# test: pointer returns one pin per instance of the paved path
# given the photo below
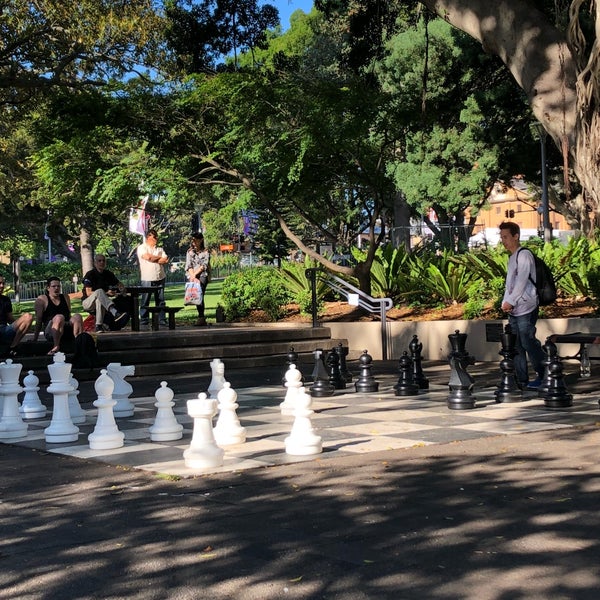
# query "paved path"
(498, 516)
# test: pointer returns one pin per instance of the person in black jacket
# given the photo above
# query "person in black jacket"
(99, 288)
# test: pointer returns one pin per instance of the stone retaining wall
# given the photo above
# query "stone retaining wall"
(434, 336)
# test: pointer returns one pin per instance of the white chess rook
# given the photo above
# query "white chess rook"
(217, 379)
(228, 431)
(166, 427)
(106, 434)
(302, 439)
(123, 405)
(12, 425)
(293, 382)
(203, 452)
(32, 407)
(77, 413)
(61, 427)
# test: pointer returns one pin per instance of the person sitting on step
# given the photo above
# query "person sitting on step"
(99, 286)
(53, 315)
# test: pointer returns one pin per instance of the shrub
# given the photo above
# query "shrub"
(292, 276)
(254, 288)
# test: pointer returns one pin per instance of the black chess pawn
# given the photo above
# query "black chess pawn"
(342, 352)
(366, 382)
(335, 376)
(292, 358)
(557, 395)
(406, 385)
(416, 349)
(508, 388)
(461, 383)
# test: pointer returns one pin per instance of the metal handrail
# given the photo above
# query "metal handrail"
(354, 297)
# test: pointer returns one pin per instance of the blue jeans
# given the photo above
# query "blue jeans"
(159, 298)
(527, 345)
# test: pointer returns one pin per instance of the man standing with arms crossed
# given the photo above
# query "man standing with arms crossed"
(152, 274)
(520, 301)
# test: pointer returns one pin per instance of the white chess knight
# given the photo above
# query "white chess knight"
(302, 439)
(61, 428)
(123, 405)
(293, 382)
(106, 434)
(166, 427)
(228, 430)
(32, 407)
(203, 452)
(12, 425)
(218, 377)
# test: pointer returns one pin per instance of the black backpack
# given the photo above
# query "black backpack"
(544, 280)
(86, 354)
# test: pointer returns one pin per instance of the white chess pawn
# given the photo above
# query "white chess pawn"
(77, 413)
(293, 382)
(166, 427)
(228, 430)
(12, 425)
(106, 434)
(203, 452)
(302, 439)
(218, 377)
(123, 405)
(32, 407)
(61, 427)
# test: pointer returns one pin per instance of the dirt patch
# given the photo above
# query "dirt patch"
(343, 312)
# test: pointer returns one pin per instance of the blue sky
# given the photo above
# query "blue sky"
(287, 7)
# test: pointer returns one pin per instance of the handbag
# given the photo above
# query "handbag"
(193, 293)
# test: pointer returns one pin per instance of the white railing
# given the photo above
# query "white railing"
(354, 297)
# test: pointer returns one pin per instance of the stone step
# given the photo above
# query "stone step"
(190, 350)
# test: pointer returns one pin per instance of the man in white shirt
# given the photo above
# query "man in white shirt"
(152, 274)
(520, 301)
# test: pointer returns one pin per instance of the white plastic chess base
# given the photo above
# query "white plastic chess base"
(348, 423)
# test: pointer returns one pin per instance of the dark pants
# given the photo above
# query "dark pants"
(159, 298)
(527, 345)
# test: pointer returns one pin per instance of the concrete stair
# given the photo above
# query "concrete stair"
(190, 349)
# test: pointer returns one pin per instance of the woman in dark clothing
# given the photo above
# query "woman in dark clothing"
(197, 267)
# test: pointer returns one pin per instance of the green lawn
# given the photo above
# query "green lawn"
(173, 297)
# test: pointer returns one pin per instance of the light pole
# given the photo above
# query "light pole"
(545, 204)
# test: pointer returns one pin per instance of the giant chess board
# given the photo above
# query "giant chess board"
(349, 423)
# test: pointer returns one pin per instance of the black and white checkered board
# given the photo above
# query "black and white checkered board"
(348, 423)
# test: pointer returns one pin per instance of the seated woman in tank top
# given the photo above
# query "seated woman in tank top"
(53, 315)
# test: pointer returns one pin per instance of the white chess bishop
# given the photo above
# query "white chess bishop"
(106, 434)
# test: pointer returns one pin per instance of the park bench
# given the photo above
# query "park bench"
(155, 311)
(583, 339)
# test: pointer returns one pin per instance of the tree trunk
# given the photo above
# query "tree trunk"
(87, 258)
(16, 271)
(563, 97)
(401, 229)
